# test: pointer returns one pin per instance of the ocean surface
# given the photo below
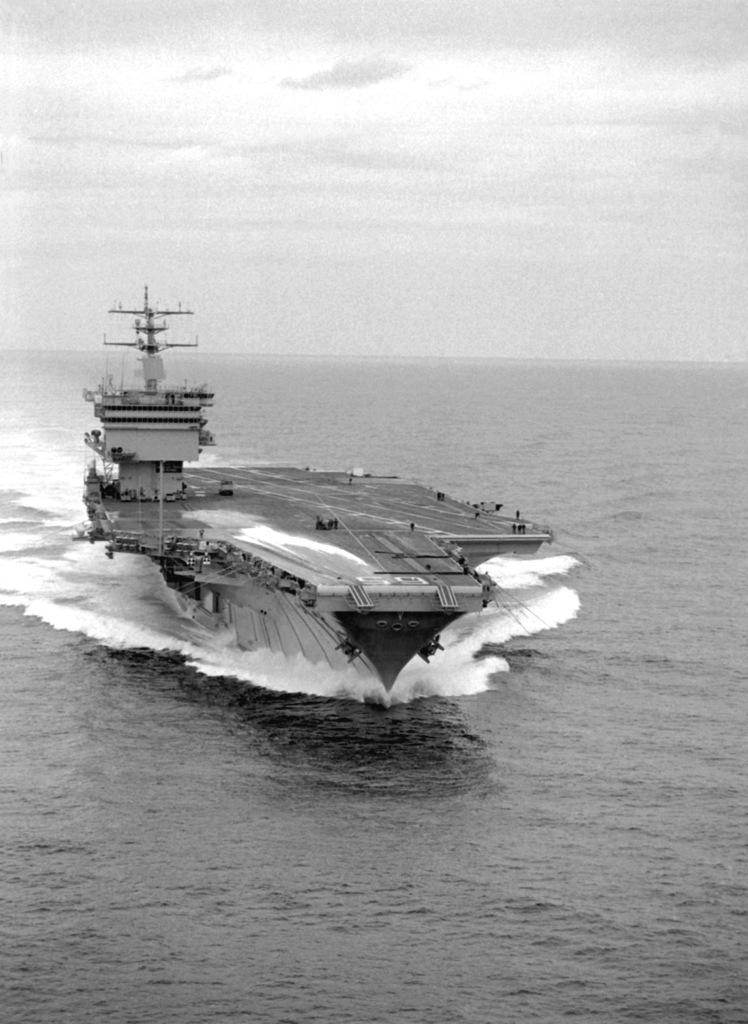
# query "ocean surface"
(548, 823)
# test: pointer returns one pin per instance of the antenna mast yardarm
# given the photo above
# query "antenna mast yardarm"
(148, 329)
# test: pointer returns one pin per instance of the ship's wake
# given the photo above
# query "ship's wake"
(124, 604)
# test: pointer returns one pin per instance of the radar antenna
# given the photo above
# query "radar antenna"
(148, 329)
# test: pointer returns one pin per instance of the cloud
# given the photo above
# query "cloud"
(350, 74)
(201, 75)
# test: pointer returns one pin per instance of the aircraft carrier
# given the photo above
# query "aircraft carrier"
(340, 568)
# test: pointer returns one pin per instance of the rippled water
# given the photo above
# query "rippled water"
(548, 823)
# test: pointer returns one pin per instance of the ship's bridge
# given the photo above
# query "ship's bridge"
(167, 423)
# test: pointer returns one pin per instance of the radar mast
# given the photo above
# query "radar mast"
(149, 326)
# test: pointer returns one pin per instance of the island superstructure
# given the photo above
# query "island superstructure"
(340, 568)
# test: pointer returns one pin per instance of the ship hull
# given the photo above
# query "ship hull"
(376, 645)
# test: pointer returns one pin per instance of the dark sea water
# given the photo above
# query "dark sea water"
(548, 823)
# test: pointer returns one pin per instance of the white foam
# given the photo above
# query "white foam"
(455, 671)
(545, 610)
(111, 630)
(283, 675)
(121, 603)
(515, 573)
(454, 675)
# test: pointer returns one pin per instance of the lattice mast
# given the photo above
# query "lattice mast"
(148, 340)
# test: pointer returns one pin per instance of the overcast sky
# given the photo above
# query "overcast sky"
(550, 178)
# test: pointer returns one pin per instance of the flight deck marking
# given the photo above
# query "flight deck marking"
(311, 502)
(296, 491)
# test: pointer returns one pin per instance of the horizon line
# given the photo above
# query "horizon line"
(378, 358)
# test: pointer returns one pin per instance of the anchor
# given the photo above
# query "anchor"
(429, 650)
